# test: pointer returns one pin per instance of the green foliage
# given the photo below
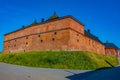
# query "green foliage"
(60, 59)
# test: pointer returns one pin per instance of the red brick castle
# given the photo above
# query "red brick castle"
(56, 33)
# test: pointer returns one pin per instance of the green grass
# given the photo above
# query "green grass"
(60, 59)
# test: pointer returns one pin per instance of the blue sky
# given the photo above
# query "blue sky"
(102, 17)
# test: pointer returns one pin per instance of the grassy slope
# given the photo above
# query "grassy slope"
(60, 59)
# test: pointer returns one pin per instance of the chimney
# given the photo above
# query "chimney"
(88, 30)
(42, 20)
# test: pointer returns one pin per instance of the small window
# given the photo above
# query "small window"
(93, 45)
(77, 34)
(89, 42)
(27, 37)
(109, 53)
(41, 41)
(53, 39)
(26, 43)
(15, 40)
(38, 35)
(55, 33)
(77, 40)
(15, 45)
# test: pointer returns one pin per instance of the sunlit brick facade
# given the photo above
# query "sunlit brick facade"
(111, 49)
(63, 33)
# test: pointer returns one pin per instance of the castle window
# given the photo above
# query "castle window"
(41, 41)
(77, 34)
(93, 43)
(55, 33)
(89, 42)
(26, 43)
(39, 35)
(109, 53)
(53, 39)
(15, 45)
(15, 40)
(77, 40)
(27, 37)
(8, 46)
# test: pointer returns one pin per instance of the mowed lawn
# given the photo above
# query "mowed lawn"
(60, 59)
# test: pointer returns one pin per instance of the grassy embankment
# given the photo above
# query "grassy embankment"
(60, 59)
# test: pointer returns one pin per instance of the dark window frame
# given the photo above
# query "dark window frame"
(26, 43)
(77, 34)
(26, 37)
(15, 45)
(55, 33)
(41, 41)
(39, 35)
(53, 39)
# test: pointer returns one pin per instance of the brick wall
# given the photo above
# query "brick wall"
(110, 51)
(56, 40)
(77, 26)
(50, 26)
(61, 34)
(80, 42)
(49, 36)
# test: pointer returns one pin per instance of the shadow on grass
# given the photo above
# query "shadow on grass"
(98, 73)
(109, 63)
(106, 67)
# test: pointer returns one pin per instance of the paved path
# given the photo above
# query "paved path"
(14, 72)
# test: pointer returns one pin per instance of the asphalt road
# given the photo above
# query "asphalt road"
(14, 72)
